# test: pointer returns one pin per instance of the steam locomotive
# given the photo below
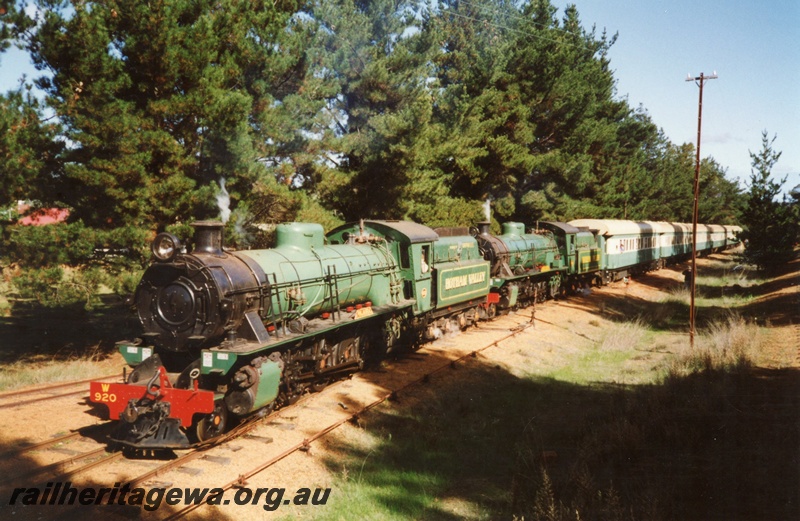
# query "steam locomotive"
(228, 333)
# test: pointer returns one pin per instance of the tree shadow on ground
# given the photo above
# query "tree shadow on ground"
(662, 316)
(26, 480)
(776, 299)
(484, 443)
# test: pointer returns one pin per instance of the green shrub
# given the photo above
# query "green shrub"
(124, 283)
(55, 287)
(53, 245)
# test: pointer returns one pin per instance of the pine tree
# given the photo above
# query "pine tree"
(478, 142)
(720, 199)
(161, 101)
(389, 109)
(28, 150)
(378, 131)
(794, 193)
(769, 228)
(561, 117)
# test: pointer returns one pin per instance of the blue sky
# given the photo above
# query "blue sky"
(754, 47)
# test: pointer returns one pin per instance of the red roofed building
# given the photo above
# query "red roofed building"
(42, 216)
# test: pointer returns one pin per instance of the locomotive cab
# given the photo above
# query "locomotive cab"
(410, 243)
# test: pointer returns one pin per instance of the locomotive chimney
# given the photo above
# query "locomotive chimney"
(208, 237)
(484, 227)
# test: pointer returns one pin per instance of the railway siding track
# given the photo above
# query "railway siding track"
(11, 453)
(18, 465)
(27, 396)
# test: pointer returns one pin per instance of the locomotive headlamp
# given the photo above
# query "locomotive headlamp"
(165, 246)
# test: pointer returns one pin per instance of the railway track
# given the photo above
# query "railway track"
(21, 397)
(58, 471)
(55, 440)
(100, 461)
(58, 467)
(305, 444)
(40, 445)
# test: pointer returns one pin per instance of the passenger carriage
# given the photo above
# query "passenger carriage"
(626, 246)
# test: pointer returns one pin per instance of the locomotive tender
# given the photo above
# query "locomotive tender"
(228, 333)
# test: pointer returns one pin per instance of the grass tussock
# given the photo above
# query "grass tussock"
(726, 345)
(676, 295)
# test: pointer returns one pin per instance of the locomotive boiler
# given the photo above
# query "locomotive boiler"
(190, 301)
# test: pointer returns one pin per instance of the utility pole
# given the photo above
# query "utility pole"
(699, 80)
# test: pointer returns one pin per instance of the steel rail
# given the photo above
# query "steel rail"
(32, 390)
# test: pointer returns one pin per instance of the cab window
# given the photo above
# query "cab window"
(404, 258)
(424, 260)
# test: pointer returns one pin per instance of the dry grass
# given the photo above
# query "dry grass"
(26, 374)
(625, 336)
(726, 345)
(726, 273)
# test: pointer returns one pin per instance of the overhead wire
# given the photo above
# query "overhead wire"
(519, 18)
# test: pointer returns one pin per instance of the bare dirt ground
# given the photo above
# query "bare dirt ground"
(557, 332)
